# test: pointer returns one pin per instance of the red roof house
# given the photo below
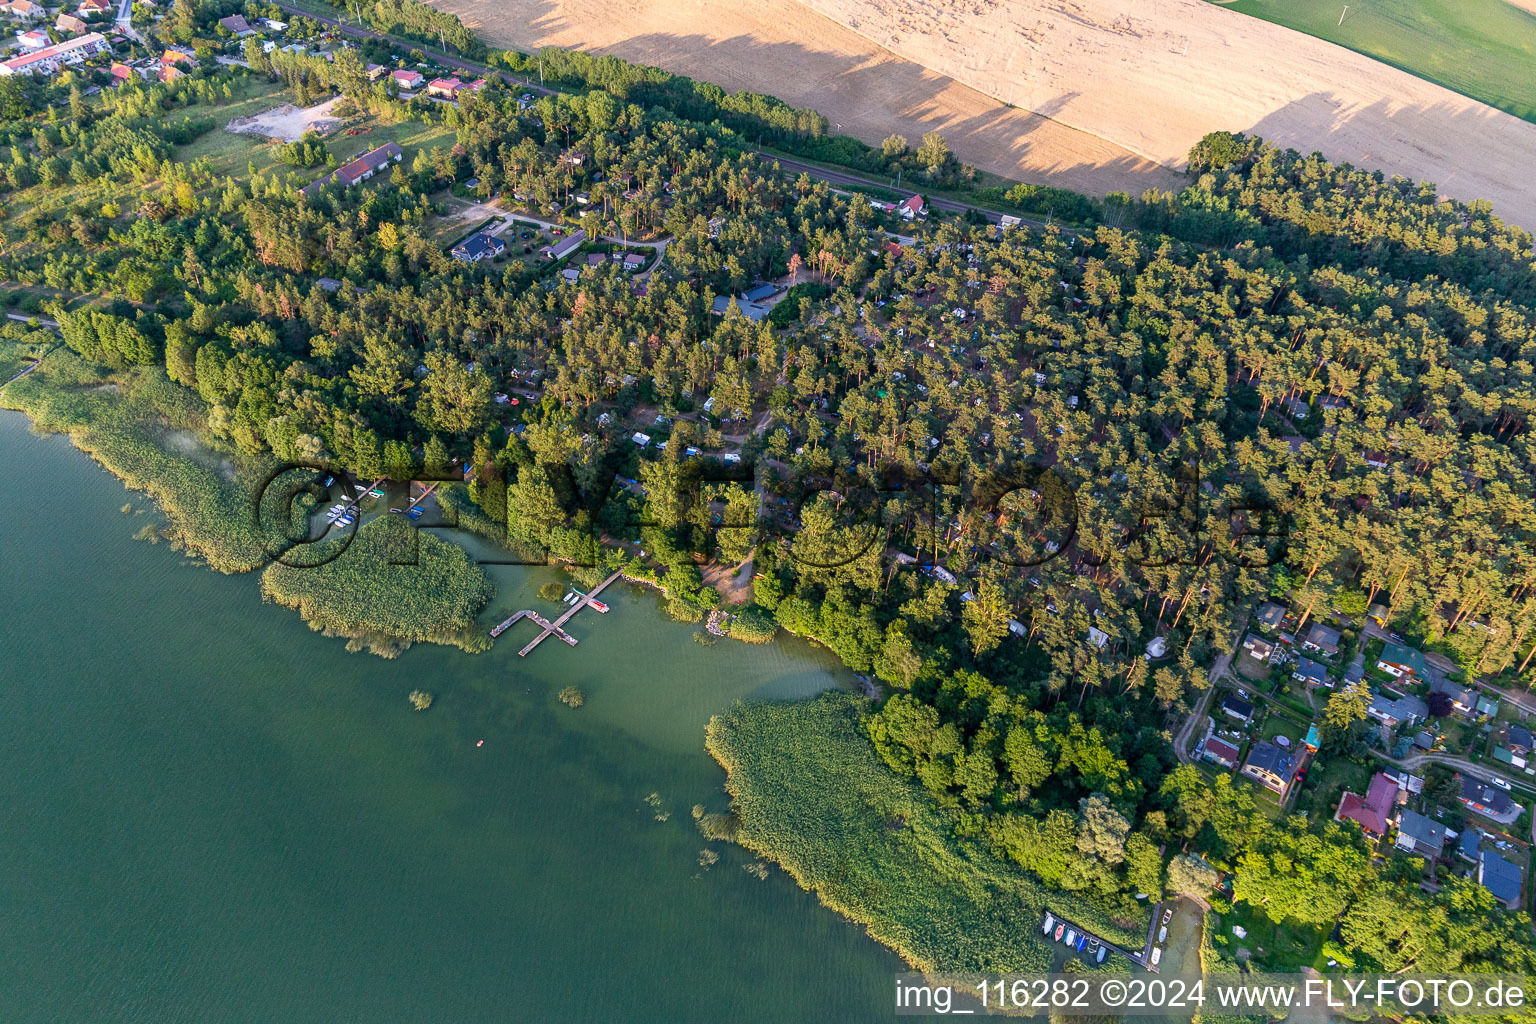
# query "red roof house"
(1374, 810)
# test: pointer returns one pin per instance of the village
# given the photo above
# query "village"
(1439, 767)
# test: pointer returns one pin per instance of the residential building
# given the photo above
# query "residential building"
(633, 262)
(1462, 698)
(1321, 638)
(1487, 705)
(122, 73)
(1235, 707)
(1219, 751)
(1270, 614)
(169, 73)
(407, 79)
(912, 208)
(1258, 647)
(177, 57)
(1499, 877)
(1420, 835)
(68, 23)
(1270, 766)
(50, 59)
(375, 71)
(1403, 662)
(567, 245)
(236, 25)
(1309, 672)
(94, 7)
(477, 247)
(31, 41)
(751, 310)
(1393, 712)
(1483, 797)
(25, 9)
(1467, 845)
(444, 88)
(1519, 740)
(759, 292)
(1504, 755)
(359, 170)
(1375, 810)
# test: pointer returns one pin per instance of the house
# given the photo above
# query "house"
(1487, 705)
(1097, 637)
(751, 310)
(1519, 739)
(1403, 663)
(122, 73)
(235, 25)
(271, 24)
(359, 170)
(69, 23)
(1309, 672)
(1462, 698)
(1374, 811)
(329, 284)
(478, 246)
(94, 7)
(1296, 408)
(407, 79)
(1504, 755)
(1157, 647)
(1420, 835)
(1235, 707)
(1258, 647)
(1467, 846)
(1483, 797)
(1270, 614)
(1499, 877)
(571, 274)
(641, 439)
(33, 40)
(375, 72)
(177, 57)
(633, 262)
(22, 9)
(1321, 638)
(563, 248)
(1399, 711)
(1379, 613)
(1270, 766)
(760, 292)
(912, 208)
(51, 58)
(444, 88)
(1219, 751)
(168, 73)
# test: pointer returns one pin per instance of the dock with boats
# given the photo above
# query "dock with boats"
(577, 600)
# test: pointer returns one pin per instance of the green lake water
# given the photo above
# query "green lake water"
(209, 813)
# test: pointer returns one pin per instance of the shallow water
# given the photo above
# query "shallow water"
(210, 813)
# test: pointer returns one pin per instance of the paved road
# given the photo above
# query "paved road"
(24, 318)
(407, 45)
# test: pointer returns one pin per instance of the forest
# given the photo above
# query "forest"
(1287, 379)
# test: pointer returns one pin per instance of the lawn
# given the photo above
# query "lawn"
(1332, 777)
(1485, 49)
(1273, 947)
(1276, 724)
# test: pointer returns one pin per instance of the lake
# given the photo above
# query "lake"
(211, 813)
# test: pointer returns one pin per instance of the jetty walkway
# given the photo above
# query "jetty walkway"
(556, 628)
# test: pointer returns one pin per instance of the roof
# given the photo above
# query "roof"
(913, 203)
(1499, 877)
(1310, 671)
(1468, 844)
(1400, 654)
(1476, 791)
(1421, 829)
(348, 173)
(1270, 614)
(1322, 636)
(452, 84)
(1520, 736)
(404, 75)
(477, 245)
(567, 245)
(236, 23)
(1265, 756)
(1371, 810)
(65, 50)
(1463, 695)
(1237, 705)
(1221, 748)
(759, 292)
(1403, 709)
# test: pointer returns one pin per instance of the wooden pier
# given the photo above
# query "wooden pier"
(555, 628)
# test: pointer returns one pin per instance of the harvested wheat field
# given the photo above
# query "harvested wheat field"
(1155, 75)
(786, 50)
(1125, 85)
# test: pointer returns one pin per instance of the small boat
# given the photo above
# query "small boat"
(595, 603)
(1102, 951)
(1167, 915)
(1049, 921)
(1082, 940)
(1059, 929)
(1157, 954)
(1071, 939)
(1162, 935)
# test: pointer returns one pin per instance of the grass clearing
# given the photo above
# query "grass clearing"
(1485, 49)
(812, 795)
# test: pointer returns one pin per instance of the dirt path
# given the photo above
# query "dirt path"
(287, 123)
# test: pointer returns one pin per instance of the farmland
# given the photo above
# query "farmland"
(1485, 49)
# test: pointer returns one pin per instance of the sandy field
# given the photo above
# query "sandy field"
(1120, 89)
(1155, 75)
(287, 123)
(784, 49)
